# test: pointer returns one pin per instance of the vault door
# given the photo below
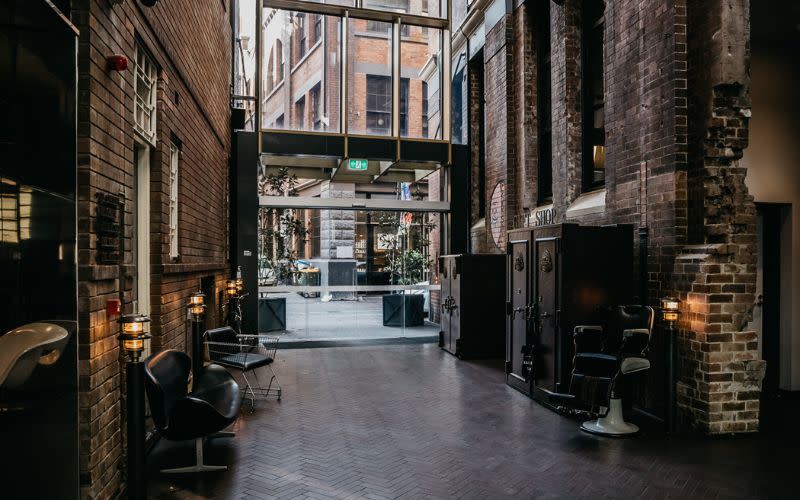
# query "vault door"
(519, 291)
(546, 349)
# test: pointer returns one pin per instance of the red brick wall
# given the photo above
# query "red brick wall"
(190, 43)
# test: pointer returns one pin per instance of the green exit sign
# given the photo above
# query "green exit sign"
(357, 164)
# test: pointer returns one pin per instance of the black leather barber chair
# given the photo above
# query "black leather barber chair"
(179, 414)
(604, 356)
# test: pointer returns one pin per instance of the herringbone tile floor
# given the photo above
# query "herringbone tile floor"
(413, 422)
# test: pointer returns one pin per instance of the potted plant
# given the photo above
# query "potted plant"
(408, 265)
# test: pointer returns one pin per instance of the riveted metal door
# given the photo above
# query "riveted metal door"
(546, 296)
(455, 307)
(518, 309)
(444, 266)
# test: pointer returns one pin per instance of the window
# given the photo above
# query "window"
(544, 116)
(279, 122)
(174, 168)
(594, 132)
(300, 113)
(301, 35)
(379, 104)
(425, 6)
(458, 102)
(403, 107)
(317, 28)
(279, 58)
(316, 114)
(386, 28)
(425, 109)
(144, 95)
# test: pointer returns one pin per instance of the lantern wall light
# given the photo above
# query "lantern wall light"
(133, 335)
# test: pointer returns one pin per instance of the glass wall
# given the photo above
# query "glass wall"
(301, 71)
(460, 99)
(346, 273)
(428, 8)
(302, 60)
(420, 77)
(369, 77)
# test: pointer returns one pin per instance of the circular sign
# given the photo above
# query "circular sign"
(497, 217)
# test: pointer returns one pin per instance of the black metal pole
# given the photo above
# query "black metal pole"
(137, 487)
(197, 347)
(671, 403)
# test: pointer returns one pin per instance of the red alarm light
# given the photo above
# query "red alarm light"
(117, 62)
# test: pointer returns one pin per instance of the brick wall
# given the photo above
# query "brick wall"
(499, 105)
(720, 378)
(190, 43)
(654, 181)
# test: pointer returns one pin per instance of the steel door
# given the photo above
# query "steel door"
(444, 266)
(519, 291)
(455, 303)
(546, 293)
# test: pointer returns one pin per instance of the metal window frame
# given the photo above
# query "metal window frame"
(145, 67)
(356, 11)
(174, 176)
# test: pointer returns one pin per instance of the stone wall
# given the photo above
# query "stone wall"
(190, 44)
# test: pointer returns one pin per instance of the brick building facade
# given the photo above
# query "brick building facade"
(187, 46)
(671, 146)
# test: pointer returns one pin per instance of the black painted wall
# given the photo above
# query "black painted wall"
(38, 266)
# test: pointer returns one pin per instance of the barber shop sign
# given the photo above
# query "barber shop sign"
(542, 216)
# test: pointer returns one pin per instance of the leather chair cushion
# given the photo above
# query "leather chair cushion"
(596, 364)
(245, 361)
(178, 415)
(216, 387)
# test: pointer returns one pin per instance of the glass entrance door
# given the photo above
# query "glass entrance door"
(355, 274)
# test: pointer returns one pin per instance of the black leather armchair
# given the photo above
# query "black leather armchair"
(603, 355)
(179, 414)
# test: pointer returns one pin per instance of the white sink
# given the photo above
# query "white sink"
(26, 347)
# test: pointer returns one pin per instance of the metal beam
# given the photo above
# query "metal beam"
(353, 204)
(357, 12)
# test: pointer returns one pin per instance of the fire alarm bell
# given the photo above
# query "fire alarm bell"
(117, 62)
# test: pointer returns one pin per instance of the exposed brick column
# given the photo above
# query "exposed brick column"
(566, 81)
(525, 110)
(500, 112)
(720, 373)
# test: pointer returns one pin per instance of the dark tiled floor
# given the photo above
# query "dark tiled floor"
(413, 422)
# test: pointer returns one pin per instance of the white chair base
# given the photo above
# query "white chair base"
(199, 466)
(613, 424)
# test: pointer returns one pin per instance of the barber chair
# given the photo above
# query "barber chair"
(604, 356)
(179, 414)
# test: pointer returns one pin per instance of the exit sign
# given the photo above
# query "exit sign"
(357, 164)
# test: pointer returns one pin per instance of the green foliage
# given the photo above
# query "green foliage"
(281, 231)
